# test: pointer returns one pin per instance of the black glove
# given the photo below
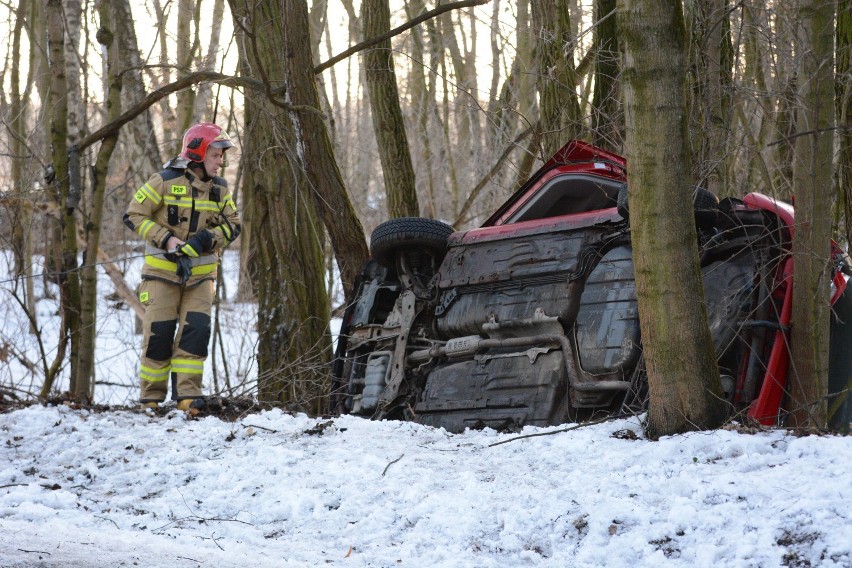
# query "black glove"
(184, 268)
(198, 244)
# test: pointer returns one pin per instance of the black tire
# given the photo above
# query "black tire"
(416, 232)
(704, 202)
(621, 204)
(706, 206)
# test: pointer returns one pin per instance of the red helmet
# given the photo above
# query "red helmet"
(201, 136)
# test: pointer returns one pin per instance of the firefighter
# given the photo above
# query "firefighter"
(186, 216)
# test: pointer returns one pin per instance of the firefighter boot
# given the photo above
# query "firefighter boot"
(192, 406)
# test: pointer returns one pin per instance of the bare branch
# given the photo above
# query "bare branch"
(460, 218)
(182, 83)
(396, 31)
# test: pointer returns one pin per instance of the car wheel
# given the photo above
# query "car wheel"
(621, 204)
(706, 206)
(406, 233)
(704, 202)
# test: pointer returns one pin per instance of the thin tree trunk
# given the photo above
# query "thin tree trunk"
(388, 124)
(82, 384)
(170, 122)
(843, 87)
(812, 173)
(607, 121)
(92, 229)
(711, 55)
(761, 119)
(556, 76)
(21, 218)
(140, 136)
(683, 376)
(57, 103)
(204, 100)
(785, 87)
(186, 48)
(423, 107)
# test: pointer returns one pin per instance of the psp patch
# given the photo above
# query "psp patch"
(140, 197)
(178, 190)
(144, 297)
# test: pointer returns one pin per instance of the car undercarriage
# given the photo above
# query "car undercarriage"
(532, 319)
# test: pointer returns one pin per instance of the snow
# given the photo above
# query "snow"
(87, 488)
(126, 488)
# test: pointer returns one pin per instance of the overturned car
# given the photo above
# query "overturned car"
(532, 318)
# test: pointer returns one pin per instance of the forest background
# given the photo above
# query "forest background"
(346, 115)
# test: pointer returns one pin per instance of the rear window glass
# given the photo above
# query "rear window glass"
(567, 194)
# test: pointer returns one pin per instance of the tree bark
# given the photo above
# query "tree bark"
(556, 77)
(58, 135)
(292, 145)
(327, 189)
(683, 376)
(92, 229)
(287, 241)
(140, 136)
(388, 124)
(711, 67)
(812, 174)
(843, 88)
(423, 106)
(607, 120)
(206, 105)
(21, 218)
(187, 45)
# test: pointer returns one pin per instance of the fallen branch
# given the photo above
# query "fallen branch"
(391, 463)
(34, 551)
(560, 431)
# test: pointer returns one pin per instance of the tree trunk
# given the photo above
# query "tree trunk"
(711, 64)
(843, 88)
(139, 136)
(388, 123)
(57, 103)
(292, 144)
(82, 383)
(607, 120)
(557, 79)
(92, 229)
(170, 122)
(812, 169)
(758, 115)
(21, 218)
(327, 189)
(424, 106)
(683, 376)
(186, 48)
(206, 105)
(784, 87)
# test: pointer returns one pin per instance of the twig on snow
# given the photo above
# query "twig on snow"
(560, 431)
(391, 463)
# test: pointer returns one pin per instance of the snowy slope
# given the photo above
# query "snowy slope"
(124, 488)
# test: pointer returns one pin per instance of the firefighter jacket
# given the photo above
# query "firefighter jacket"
(176, 202)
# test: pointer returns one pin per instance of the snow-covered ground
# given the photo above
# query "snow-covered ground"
(122, 488)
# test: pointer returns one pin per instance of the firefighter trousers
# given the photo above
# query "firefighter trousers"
(176, 334)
